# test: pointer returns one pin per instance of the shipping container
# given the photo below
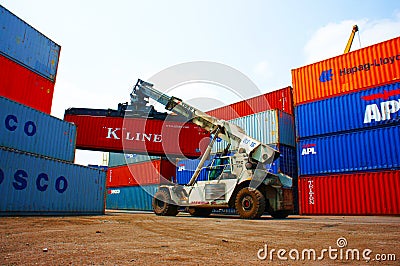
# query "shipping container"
(117, 158)
(362, 150)
(27, 129)
(378, 106)
(138, 135)
(280, 99)
(185, 169)
(24, 86)
(269, 127)
(35, 185)
(22, 43)
(143, 173)
(367, 67)
(137, 198)
(287, 161)
(362, 193)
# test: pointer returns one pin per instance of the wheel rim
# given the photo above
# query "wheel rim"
(247, 203)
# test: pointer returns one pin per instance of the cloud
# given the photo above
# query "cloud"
(330, 40)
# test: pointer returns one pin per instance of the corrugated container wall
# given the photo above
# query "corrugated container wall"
(378, 106)
(24, 86)
(143, 173)
(34, 185)
(269, 127)
(280, 99)
(287, 161)
(363, 150)
(22, 43)
(363, 193)
(131, 198)
(360, 69)
(139, 135)
(117, 159)
(27, 129)
(185, 169)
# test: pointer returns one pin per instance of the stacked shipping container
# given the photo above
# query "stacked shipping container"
(37, 176)
(132, 186)
(348, 128)
(28, 63)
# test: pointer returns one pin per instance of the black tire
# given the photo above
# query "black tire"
(199, 212)
(250, 204)
(280, 214)
(162, 204)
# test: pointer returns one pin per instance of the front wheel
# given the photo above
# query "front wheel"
(162, 204)
(250, 204)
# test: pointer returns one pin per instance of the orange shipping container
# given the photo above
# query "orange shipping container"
(370, 66)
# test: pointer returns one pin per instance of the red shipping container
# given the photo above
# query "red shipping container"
(363, 193)
(24, 86)
(139, 135)
(364, 68)
(280, 99)
(144, 173)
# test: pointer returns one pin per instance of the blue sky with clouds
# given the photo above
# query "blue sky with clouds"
(108, 45)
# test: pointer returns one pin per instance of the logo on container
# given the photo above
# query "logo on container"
(383, 110)
(307, 149)
(326, 75)
(181, 168)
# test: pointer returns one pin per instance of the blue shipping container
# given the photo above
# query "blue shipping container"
(34, 185)
(22, 43)
(26, 129)
(378, 106)
(131, 198)
(186, 168)
(287, 161)
(362, 150)
(269, 127)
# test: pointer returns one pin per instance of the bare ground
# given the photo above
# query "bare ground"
(147, 239)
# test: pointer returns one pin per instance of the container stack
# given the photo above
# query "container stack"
(28, 63)
(348, 129)
(132, 186)
(37, 174)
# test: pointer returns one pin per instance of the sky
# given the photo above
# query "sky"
(107, 45)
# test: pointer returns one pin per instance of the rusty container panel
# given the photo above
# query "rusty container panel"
(143, 173)
(138, 135)
(362, 193)
(24, 86)
(25, 45)
(280, 99)
(370, 66)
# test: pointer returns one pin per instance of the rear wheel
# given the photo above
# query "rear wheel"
(250, 204)
(162, 204)
(200, 212)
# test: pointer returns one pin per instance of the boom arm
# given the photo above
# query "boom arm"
(350, 41)
(225, 130)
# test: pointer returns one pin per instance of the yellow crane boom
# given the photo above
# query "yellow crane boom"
(350, 41)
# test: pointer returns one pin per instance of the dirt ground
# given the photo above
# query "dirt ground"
(146, 239)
